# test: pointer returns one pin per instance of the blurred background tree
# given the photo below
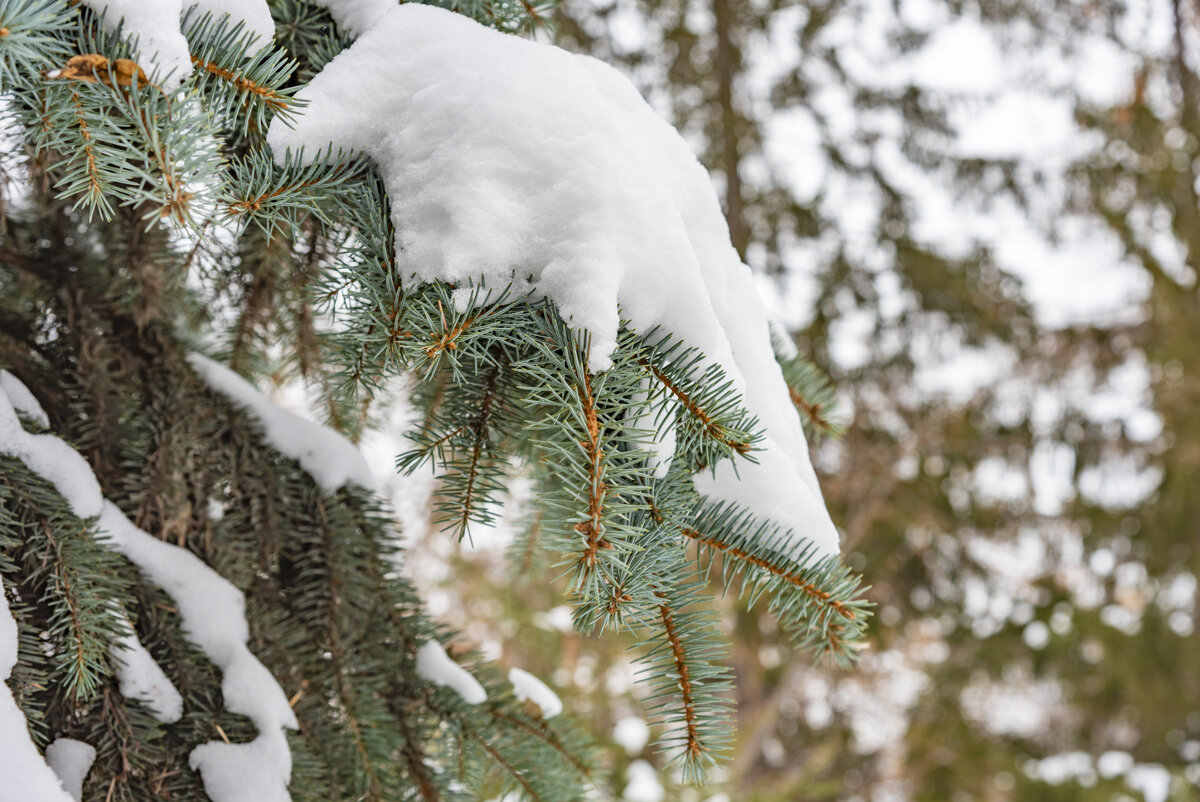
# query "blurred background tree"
(981, 220)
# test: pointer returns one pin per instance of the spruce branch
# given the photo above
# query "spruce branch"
(31, 34)
(811, 391)
(713, 424)
(244, 90)
(818, 601)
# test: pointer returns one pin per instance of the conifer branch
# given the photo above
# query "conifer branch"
(446, 340)
(269, 96)
(508, 767)
(546, 735)
(820, 597)
(812, 411)
(95, 187)
(592, 528)
(480, 429)
(694, 748)
(711, 427)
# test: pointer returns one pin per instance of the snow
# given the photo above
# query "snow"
(356, 16)
(528, 687)
(214, 618)
(51, 458)
(143, 679)
(331, 460)
(161, 46)
(25, 774)
(71, 760)
(255, 16)
(642, 783)
(434, 665)
(500, 152)
(162, 49)
(632, 733)
(22, 400)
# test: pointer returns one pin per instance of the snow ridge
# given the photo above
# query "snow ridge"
(141, 678)
(23, 401)
(331, 459)
(500, 153)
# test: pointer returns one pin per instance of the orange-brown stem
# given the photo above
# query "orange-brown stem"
(811, 590)
(710, 426)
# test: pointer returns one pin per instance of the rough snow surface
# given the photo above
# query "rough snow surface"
(527, 687)
(141, 678)
(513, 162)
(52, 459)
(214, 618)
(22, 400)
(162, 49)
(71, 760)
(434, 665)
(24, 774)
(356, 16)
(331, 460)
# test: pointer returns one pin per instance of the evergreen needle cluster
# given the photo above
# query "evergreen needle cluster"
(138, 222)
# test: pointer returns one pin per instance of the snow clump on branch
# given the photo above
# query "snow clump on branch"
(513, 163)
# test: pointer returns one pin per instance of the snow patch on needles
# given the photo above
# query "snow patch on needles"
(255, 16)
(71, 760)
(25, 774)
(213, 614)
(214, 618)
(434, 665)
(331, 460)
(23, 401)
(527, 687)
(512, 162)
(143, 679)
(161, 45)
(52, 459)
(356, 16)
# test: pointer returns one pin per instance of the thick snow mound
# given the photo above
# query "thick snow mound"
(512, 162)
(331, 460)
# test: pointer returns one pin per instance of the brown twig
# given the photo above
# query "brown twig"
(270, 96)
(694, 747)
